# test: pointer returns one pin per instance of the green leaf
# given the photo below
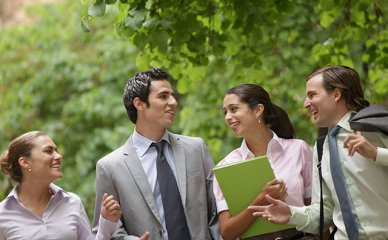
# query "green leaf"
(85, 25)
(110, 1)
(142, 61)
(97, 9)
(134, 22)
(326, 19)
(182, 86)
(162, 41)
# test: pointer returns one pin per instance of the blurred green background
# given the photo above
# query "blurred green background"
(57, 78)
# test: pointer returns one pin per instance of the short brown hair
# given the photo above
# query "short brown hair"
(346, 80)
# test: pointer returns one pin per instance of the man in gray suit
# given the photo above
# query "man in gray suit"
(131, 175)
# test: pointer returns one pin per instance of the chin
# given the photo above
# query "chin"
(58, 176)
(169, 124)
(237, 134)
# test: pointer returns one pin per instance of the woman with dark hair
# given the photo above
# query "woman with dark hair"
(38, 209)
(266, 130)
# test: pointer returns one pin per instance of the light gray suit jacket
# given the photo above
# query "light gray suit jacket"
(121, 174)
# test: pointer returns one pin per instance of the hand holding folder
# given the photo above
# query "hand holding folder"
(241, 183)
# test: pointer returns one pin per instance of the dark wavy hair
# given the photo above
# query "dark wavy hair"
(139, 86)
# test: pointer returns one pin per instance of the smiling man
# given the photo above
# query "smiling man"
(162, 180)
(354, 164)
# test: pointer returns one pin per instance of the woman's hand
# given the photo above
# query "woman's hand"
(276, 189)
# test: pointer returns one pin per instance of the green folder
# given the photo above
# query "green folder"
(240, 183)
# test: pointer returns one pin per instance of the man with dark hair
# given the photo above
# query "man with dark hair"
(354, 165)
(163, 181)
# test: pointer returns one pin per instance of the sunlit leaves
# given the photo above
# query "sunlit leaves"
(56, 78)
(97, 9)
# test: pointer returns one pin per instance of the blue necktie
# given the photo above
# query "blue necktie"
(172, 204)
(340, 187)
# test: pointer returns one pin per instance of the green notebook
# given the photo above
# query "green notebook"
(240, 183)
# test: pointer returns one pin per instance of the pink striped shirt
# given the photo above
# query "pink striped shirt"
(291, 161)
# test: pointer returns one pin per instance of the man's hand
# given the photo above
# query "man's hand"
(355, 142)
(277, 212)
(110, 208)
(145, 236)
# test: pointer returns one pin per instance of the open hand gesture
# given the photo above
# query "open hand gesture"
(276, 212)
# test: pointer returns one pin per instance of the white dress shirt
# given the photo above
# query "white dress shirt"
(366, 182)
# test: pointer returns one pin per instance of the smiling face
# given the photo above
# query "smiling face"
(44, 161)
(239, 117)
(159, 113)
(323, 105)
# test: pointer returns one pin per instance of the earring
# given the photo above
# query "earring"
(29, 169)
(259, 121)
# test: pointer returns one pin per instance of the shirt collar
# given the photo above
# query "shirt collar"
(344, 122)
(142, 143)
(53, 188)
(273, 143)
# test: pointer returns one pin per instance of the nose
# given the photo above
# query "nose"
(58, 156)
(172, 101)
(227, 117)
(306, 103)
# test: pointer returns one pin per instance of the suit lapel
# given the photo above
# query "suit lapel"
(136, 169)
(180, 161)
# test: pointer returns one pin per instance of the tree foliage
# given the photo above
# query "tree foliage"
(56, 78)
(210, 46)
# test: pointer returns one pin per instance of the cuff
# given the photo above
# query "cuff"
(222, 205)
(382, 156)
(298, 216)
(307, 192)
(106, 228)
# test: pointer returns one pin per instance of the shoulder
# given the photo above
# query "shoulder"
(233, 156)
(65, 194)
(296, 147)
(186, 139)
(115, 154)
(2, 205)
(299, 143)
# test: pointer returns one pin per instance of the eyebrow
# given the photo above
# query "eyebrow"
(50, 147)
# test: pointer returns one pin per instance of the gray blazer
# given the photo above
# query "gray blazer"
(121, 174)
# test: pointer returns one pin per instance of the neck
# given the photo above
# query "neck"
(34, 197)
(150, 133)
(258, 142)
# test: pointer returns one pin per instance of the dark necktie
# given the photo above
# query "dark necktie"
(340, 187)
(172, 204)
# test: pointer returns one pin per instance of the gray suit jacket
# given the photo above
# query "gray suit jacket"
(121, 174)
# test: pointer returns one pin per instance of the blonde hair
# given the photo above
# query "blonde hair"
(19, 147)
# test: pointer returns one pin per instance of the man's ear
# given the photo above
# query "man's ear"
(139, 104)
(337, 94)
